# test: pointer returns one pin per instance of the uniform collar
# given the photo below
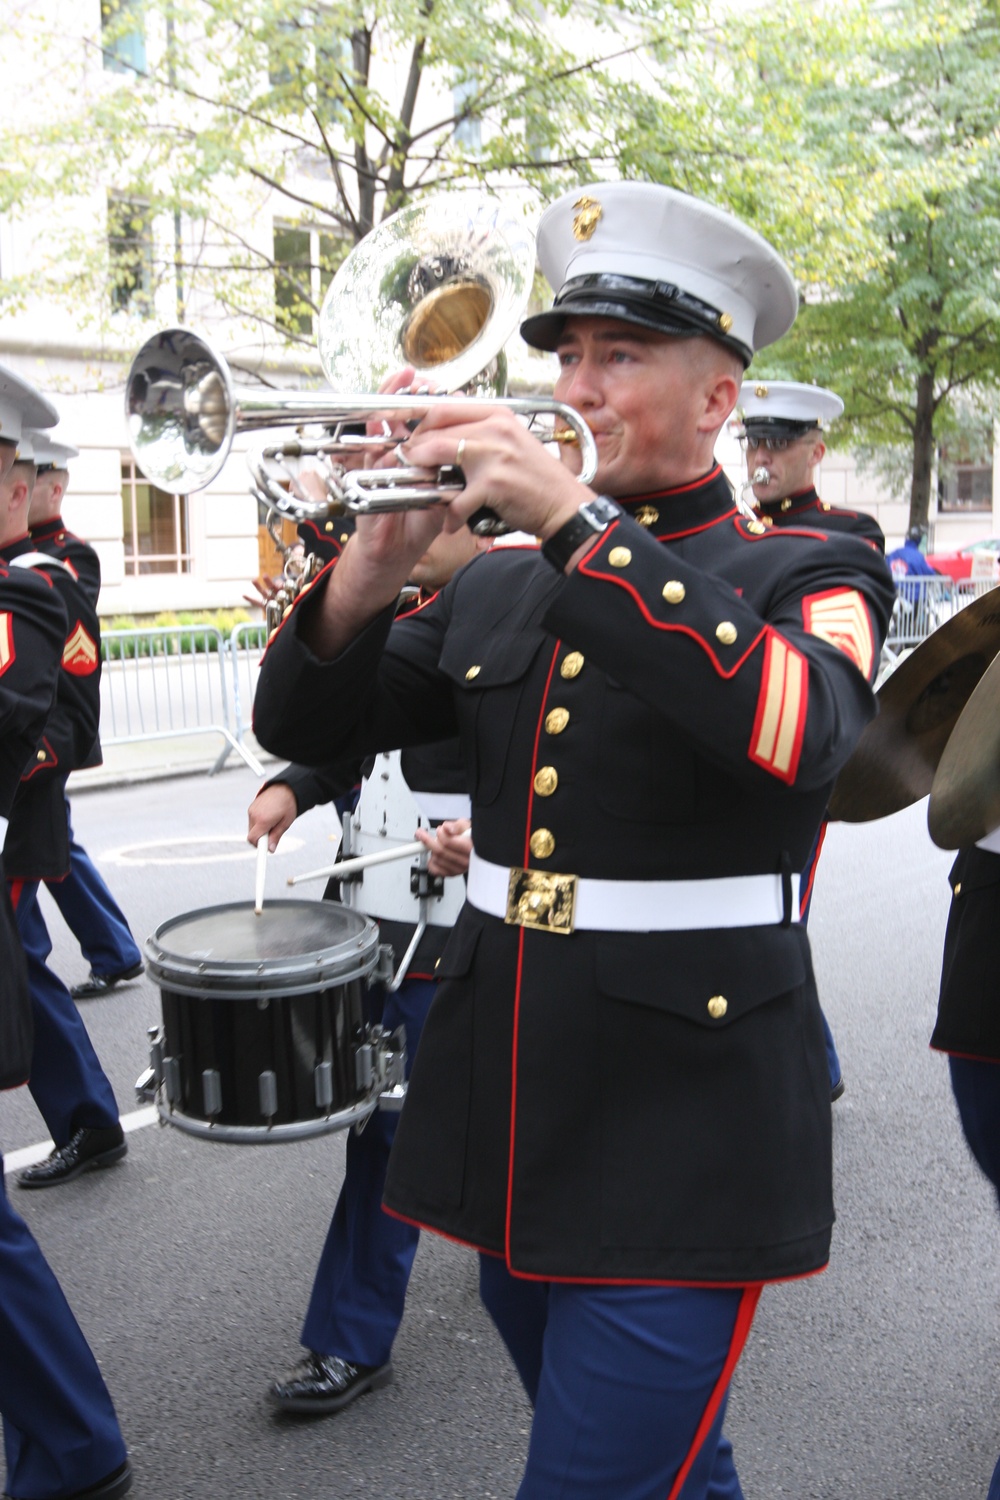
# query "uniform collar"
(10, 550)
(686, 507)
(46, 529)
(801, 501)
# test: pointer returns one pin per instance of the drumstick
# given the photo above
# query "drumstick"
(361, 862)
(258, 903)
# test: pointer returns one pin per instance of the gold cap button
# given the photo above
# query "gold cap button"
(717, 1007)
(546, 781)
(556, 720)
(647, 515)
(541, 843)
(328, 526)
(472, 672)
(619, 557)
(726, 632)
(674, 591)
(571, 665)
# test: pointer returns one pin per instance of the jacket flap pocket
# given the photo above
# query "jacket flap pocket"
(711, 978)
(460, 949)
(473, 662)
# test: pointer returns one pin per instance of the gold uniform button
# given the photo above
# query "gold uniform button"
(546, 781)
(726, 632)
(571, 665)
(556, 720)
(541, 843)
(823, 505)
(437, 963)
(717, 1007)
(647, 515)
(756, 528)
(674, 591)
(472, 672)
(328, 526)
(343, 536)
(786, 505)
(619, 557)
(40, 755)
(958, 888)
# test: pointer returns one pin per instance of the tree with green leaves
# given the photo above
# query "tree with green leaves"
(909, 333)
(321, 117)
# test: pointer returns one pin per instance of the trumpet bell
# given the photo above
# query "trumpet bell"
(441, 286)
(180, 409)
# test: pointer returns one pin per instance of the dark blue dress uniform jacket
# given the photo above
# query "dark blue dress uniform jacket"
(807, 509)
(32, 632)
(968, 1019)
(576, 1105)
(37, 846)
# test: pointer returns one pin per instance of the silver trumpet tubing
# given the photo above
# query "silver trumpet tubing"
(184, 413)
(746, 501)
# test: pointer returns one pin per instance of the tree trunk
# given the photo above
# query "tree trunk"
(923, 452)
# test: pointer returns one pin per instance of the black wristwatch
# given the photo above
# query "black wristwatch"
(593, 517)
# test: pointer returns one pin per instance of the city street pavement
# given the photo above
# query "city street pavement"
(189, 1265)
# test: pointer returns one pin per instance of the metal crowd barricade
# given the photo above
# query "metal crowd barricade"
(967, 589)
(922, 604)
(246, 647)
(168, 682)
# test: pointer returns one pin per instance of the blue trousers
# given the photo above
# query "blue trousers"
(92, 914)
(360, 1286)
(629, 1385)
(67, 1081)
(60, 1431)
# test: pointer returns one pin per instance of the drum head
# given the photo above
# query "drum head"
(293, 945)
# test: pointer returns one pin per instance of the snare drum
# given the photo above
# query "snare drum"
(264, 1034)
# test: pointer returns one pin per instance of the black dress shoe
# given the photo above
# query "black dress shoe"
(85, 1150)
(99, 984)
(323, 1383)
(111, 1487)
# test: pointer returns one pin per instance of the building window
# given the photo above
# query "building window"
(130, 255)
(304, 262)
(468, 129)
(965, 477)
(154, 526)
(287, 54)
(123, 36)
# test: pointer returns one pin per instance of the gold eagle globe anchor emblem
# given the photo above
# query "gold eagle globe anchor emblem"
(588, 215)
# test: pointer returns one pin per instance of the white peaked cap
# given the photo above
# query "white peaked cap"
(22, 406)
(48, 453)
(789, 402)
(660, 258)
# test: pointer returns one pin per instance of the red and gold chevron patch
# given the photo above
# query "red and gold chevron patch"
(80, 652)
(776, 742)
(7, 651)
(841, 617)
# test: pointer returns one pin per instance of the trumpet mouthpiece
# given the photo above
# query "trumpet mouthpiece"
(564, 435)
(761, 476)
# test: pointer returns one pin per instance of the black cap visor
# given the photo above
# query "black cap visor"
(778, 427)
(649, 304)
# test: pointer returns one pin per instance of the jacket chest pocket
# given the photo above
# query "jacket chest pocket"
(491, 678)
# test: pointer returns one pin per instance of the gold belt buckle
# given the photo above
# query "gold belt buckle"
(536, 898)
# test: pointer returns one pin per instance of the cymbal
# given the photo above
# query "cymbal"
(895, 759)
(965, 795)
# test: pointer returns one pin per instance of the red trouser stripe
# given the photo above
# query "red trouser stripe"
(741, 1332)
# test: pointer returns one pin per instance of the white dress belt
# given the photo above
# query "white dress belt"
(651, 905)
(3, 833)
